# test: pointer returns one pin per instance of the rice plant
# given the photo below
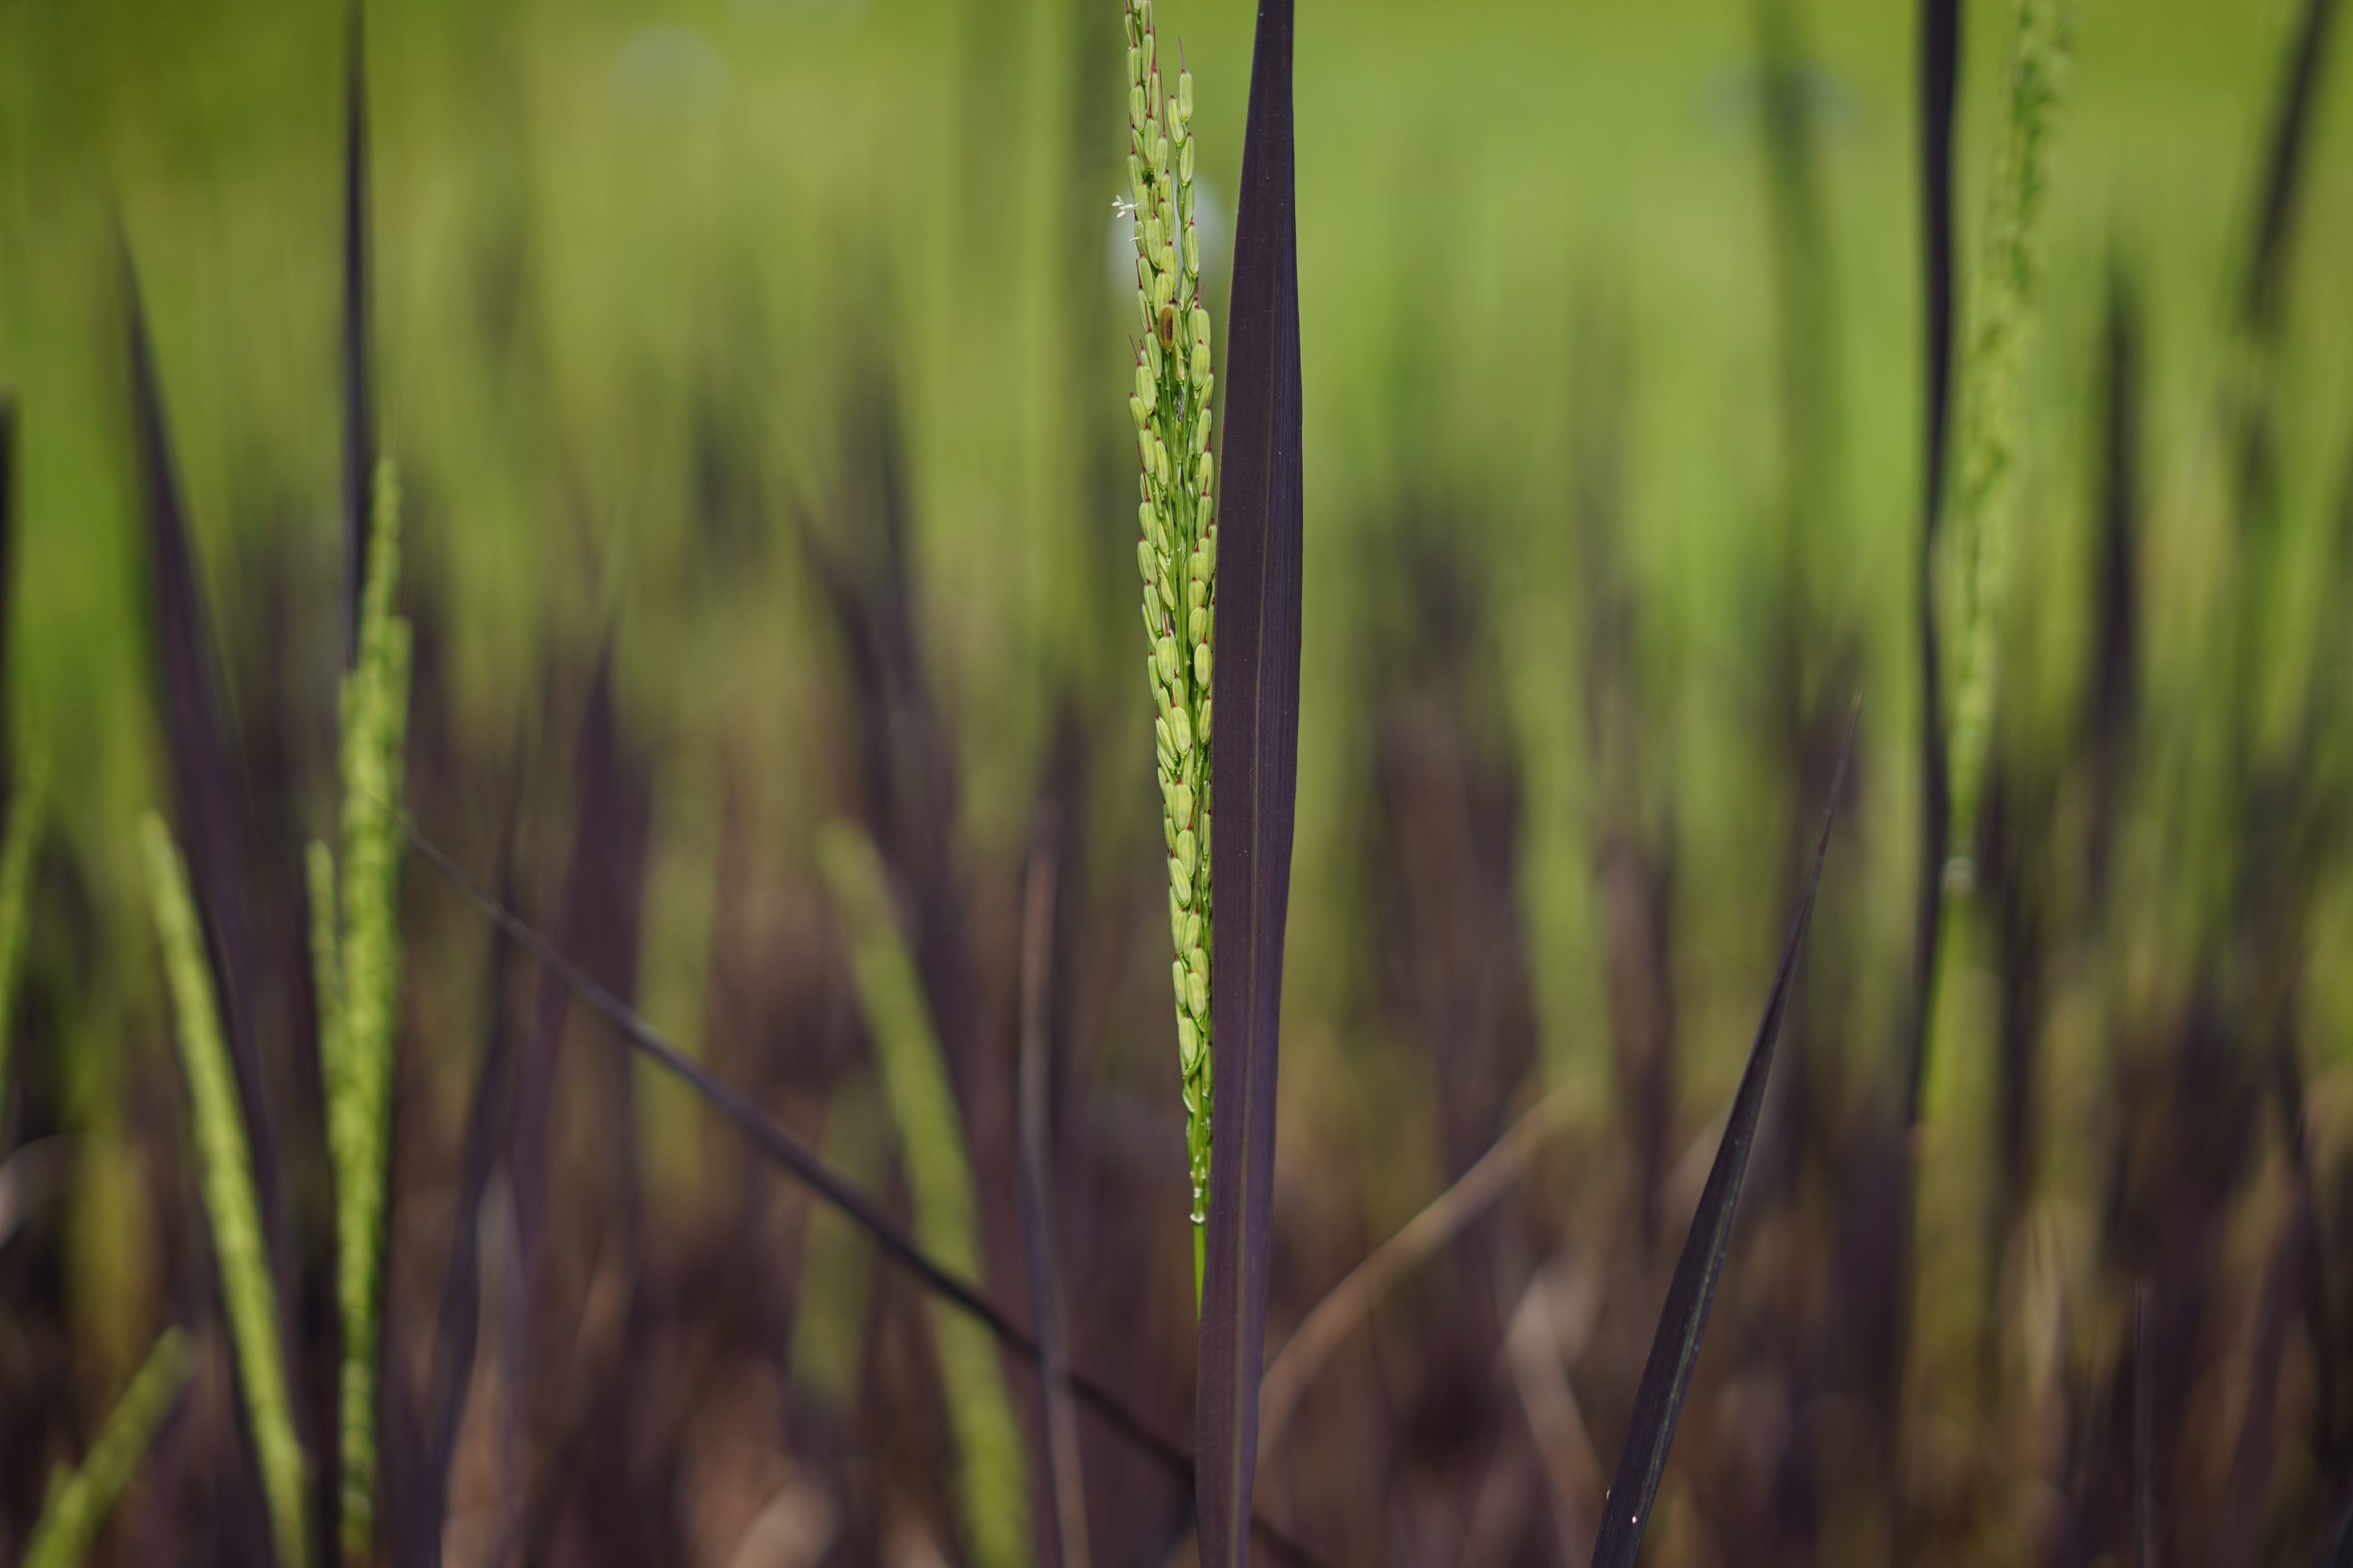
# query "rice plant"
(2004, 300)
(993, 1482)
(225, 1164)
(356, 958)
(1625, 478)
(1258, 677)
(79, 1503)
(1177, 545)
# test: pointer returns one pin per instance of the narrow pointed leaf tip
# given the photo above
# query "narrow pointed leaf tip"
(1674, 1348)
(359, 374)
(1255, 696)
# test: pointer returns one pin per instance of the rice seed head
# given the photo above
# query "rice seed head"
(2001, 313)
(359, 990)
(993, 1479)
(225, 1170)
(79, 1504)
(1176, 544)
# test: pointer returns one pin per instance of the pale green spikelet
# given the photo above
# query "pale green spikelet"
(25, 819)
(79, 1503)
(359, 992)
(2001, 310)
(993, 1479)
(225, 1166)
(1176, 551)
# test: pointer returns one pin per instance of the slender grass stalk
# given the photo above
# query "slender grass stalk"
(25, 822)
(360, 467)
(1940, 75)
(207, 796)
(1177, 544)
(79, 1503)
(2008, 282)
(355, 948)
(2144, 1400)
(1065, 1475)
(225, 1166)
(834, 1301)
(994, 1478)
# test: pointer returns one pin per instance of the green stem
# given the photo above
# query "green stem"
(1200, 1263)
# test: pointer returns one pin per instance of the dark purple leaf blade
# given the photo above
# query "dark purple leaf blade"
(489, 1109)
(359, 374)
(207, 796)
(1940, 56)
(1255, 702)
(209, 802)
(1674, 1349)
(1885, 1296)
(1065, 1477)
(2285, 156)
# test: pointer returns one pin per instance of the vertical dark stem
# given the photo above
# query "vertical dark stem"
(359, 382)
(2144, 1402)
(1940, 43)
(1940, 66)
(2283, 169)
(2116, 676)
(1065, 1477)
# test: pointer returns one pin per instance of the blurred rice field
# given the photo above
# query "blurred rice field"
(757, 366)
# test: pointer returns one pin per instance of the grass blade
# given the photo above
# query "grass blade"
(224, 1153)
(359, 988)
(2117, 611)
(2144, 1405)
(79, 1505)
(2247, 1496)
(1940, 71)
(1065, 1476)
(18, 855)
(2283, 169)
(994, 1480)
(788, 1154)
(203, 779)
(461, 1294)
(1675, 1349)
(1256, 685)
(359, 374)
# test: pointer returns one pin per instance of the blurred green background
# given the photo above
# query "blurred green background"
(637, 263)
